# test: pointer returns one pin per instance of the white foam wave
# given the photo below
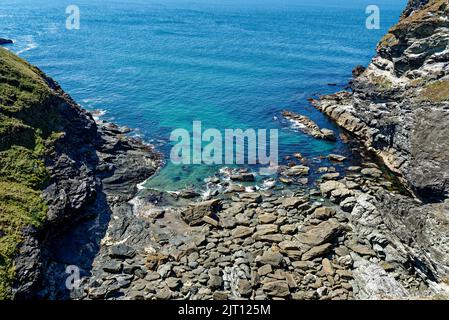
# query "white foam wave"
(30, 44)
(296, 124)
(98, 113)
(141, 186)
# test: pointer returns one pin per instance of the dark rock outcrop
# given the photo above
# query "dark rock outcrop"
(93, 167)
(5, 41)
(358, 70)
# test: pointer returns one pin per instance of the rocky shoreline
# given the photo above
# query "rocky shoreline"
(326, 243)
(354, 235)
(122, 163)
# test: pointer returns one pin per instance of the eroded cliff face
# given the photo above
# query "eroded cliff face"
(58, 167)
(399, 108)
(399, 105)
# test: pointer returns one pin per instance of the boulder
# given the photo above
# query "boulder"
(112, 266)
(266, 218)
(244, 288)
(265, 229)
(215, 282)
(328, 134)
(328, 269)
(336, 157)
(270, 257)
(210, 221)
(285, 180)
(293, 202)
(277, 288)
(298, 170)
(317, 252)
(372, 172)
(227, 221)
(321, 233)
(323, 213)
(122, 251)
(242, 232)
(362, 250)
(264, 270)
(251, 197)
(194, 214)
(327, 187)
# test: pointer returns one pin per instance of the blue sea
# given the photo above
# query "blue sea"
(158, 65)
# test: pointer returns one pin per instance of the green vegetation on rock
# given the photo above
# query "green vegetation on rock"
(26, 135)
(382, 83)
(437, 91)
(389, 40)
(429, 14)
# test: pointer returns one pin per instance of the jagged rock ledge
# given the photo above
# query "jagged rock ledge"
(398, 106)
(308, 126)
(122, 163)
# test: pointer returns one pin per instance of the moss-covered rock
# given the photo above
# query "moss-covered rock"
(26, 134)
(20, 207)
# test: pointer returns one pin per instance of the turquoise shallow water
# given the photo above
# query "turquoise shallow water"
(158, 65)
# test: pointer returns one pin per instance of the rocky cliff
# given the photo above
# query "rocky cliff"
(399, 108)
(56, 163)
(399, 105)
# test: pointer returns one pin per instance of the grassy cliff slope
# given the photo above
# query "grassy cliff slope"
(26, 135)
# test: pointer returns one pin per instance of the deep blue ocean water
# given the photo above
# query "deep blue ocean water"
(158, 65)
